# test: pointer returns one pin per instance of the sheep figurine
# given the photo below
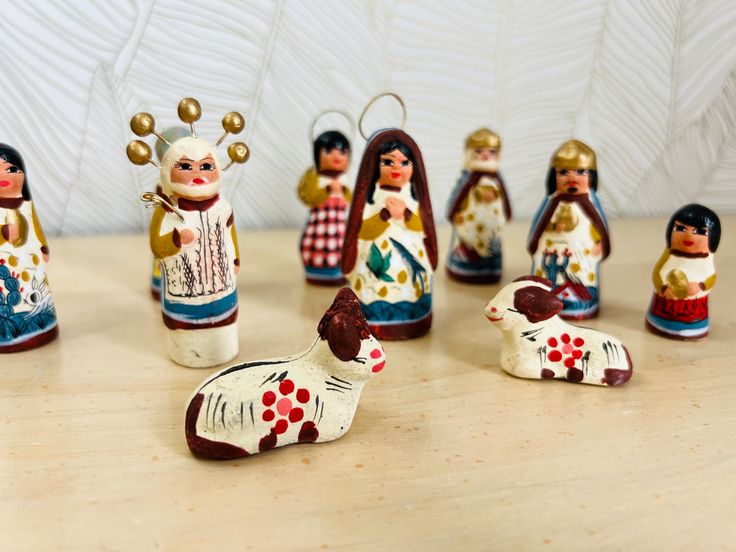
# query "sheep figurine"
(304, 398)
(538, 344)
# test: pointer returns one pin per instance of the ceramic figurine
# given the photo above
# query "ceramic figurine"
(322, 190)
(390, 249)
(569, 234)
(685, 274)
(27, 313)
(478, 209)
(193, 236)
(538, 344)
(304, 398)
(170, 135)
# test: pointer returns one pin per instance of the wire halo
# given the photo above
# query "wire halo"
(373, 101)
(347, 117)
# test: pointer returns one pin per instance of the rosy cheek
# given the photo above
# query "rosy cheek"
(378, 367)
(376, 353)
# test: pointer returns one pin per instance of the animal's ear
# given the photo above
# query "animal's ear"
(537, 279)
(343, 336)
(536, 303)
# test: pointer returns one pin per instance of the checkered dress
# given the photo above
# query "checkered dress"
(321, 244)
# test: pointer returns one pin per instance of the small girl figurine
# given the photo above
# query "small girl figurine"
(390, 249)
(171, 134)
(327, 197)
(478, 209)
(27, 314)
(569, 234)
(193, 236)
(685, 274)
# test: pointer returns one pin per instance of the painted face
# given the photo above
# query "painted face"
(689, 239)
(334, 160)
(11, 180)
(576, 182)
(483, 159)
(198, 179)
(395, 169)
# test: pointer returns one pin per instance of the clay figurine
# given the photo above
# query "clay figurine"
(569, 234)
(309, 397)
(171, 134)
(27, 313)
(685, 274)
(478, 209)
(322, 190)
(193, 237)
(538, 344)
(390, 249)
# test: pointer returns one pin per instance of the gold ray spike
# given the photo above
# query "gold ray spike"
(140, 153)
(189, 111)
(142, 124)
(238, 152)
(233, 123)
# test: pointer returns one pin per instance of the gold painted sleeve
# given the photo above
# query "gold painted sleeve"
(161, 246)
(656, 276)
(17, 218)
(234, 235)
(372, 227)
(710, 281)
(37, 228)
(415, 223)
(595, 234)
(309, 191)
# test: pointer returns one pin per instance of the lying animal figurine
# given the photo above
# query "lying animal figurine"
(538, 344)
(305, 398)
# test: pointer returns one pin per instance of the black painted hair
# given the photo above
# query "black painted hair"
(552, 180)
(328, 141)
(698, 216)
(11, 155)
(388, 147)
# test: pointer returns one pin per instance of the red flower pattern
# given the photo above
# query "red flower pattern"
(567, 347)
(284, 407)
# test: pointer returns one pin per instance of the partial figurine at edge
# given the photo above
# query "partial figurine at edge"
(171, 134)
(538, 344)
(390, 248)
(323, 191)
(193, 237)
(685, 274)
(478, 208)
(27, 312)
(568, 238)
(309, 397)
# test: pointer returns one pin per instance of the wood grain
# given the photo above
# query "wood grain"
(446, 451)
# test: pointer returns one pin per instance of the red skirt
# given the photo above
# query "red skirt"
(682, 310)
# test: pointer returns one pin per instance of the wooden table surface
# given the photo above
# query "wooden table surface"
(446, 452)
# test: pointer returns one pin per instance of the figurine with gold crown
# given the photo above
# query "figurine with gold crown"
(569, 234)
(193, 236)
(478, 209)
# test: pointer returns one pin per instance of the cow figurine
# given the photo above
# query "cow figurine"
(538, 344)
(304, 398)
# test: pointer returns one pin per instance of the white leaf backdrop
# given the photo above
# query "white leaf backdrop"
(650, 85)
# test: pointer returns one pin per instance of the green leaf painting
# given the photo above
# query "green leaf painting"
(378, 264)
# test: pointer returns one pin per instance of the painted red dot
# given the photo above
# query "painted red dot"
(269, 397)
(286, 387)
(554, 356)
(567, 348)
(2, 261)
(565, 338)
(296, 415)
(578, 342)
(281, 426)
(552, 342)
(302, 395)
(378, 367)
(375, 353)
(569, 362)
(283, 406)
(577, 353)
(268, 415)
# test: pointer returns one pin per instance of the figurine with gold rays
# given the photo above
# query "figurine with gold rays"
(569, 234)
(27, 313)
(478, 209)
(193, 236)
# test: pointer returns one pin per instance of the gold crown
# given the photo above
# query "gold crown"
(573, 155)
(189, 111)
(483, 138)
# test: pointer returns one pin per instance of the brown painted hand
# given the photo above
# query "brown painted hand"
(396, 207)
(13, 232)
(335, 188)
(187, 236)
(693, 288)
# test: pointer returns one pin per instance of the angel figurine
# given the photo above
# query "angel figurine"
(322, 190)
(569, 234)
(478, 209)
(27, 313)
(193, 236)
(390, 248)
(685, 274)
